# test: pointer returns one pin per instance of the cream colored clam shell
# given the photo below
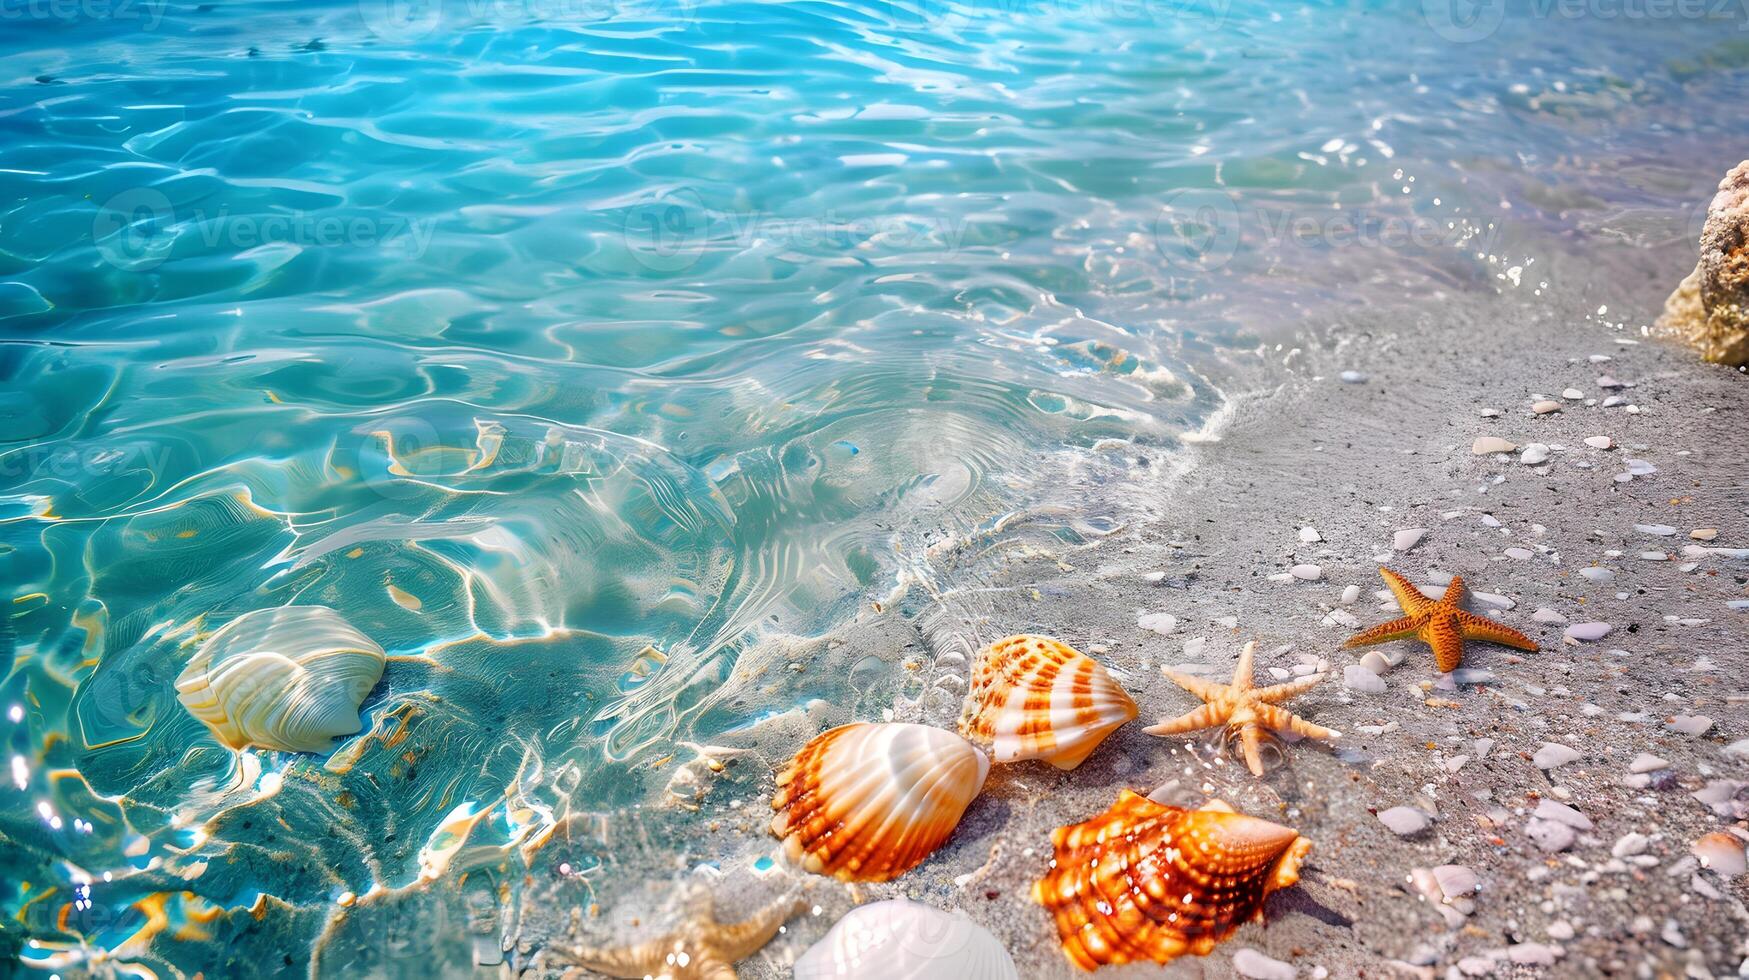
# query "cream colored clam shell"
(1033, 697)
(289, 679)
(905, 940)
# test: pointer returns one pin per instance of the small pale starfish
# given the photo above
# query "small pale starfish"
(1442, 625)
(1242, 706)
(698, 947)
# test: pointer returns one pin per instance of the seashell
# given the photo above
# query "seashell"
(867, 802)
(1146, 881)
(289, 679)
(905, 940)
(1033, 697)
(1721, 852)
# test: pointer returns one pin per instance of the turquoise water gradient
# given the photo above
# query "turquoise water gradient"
(575, 350)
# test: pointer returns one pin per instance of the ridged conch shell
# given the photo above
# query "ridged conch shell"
(906, 940)
(1146, 881)
(1033, 697)
(289, 679)
(867, 802)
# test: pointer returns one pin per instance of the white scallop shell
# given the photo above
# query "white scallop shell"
(905, 940)
(289, 679)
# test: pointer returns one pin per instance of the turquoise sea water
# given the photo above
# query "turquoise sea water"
(570, 349)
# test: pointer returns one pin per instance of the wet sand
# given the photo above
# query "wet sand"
(1359, 462)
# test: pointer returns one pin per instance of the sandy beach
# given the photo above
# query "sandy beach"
(1612, 889)
(458, 456)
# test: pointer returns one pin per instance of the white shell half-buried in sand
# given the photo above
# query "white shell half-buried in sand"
(1033, 697)
(289, 679)
(905, 940)
(867, 802)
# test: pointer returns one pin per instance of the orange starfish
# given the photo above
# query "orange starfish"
(697, 948)
(1442, 625)
(1242, 706)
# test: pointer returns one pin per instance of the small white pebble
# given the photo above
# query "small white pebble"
(1256, 966)
(1358, 678)
(1161, 623)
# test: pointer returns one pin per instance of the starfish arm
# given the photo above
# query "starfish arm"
(1207, 716)
(1443, 634)
(1195, 685)
(1476, 627)
(1454, 593)
(1251, 742)
(1396, 629)
(711, 968)
(1408, 596)
(1281, 692)
(1283, 720)
(743, 939)
(640, 960)
(1250, 737)
(1243, 674)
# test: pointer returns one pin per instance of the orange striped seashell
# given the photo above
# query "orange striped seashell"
(867, 802)
(1146, 881)
(1033, 697)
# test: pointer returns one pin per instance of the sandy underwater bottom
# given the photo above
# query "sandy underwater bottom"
(1209, 538)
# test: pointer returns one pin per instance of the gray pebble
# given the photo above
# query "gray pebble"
(1554, 754)
(1550, 836)
(1404, 820)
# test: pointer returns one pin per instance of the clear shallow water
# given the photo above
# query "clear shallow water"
(532, 336)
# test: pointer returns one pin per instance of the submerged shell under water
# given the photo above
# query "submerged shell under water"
(905, 940)
(868, 802)
(289, 679)
(1146, 881)
(1033, 697)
